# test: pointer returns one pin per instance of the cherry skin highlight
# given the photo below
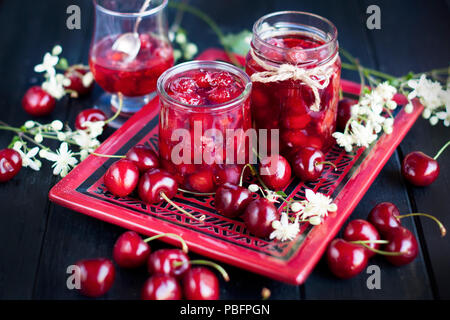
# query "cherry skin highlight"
(121, 178)
(346, 259)
(231, 200)
(96, 276)
(155, 182)
(10, 164)
(161, 287)
(144, 158)
(200, 283)
(162, 262)
(362, 230)
(419, 169)
(258, 217)
(130, 251)
(38, 102)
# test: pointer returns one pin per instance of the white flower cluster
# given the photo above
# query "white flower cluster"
(434, 98)
(63, 159)
(312, 210)
(370, 116)
(188, 49)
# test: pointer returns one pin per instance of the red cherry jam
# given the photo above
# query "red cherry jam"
(203, 106)
(284, 38)
(138, 77)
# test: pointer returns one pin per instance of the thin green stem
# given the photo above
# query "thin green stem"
(173, 204)
(108, 155)
(205, 263)
(118, 111)
(197, 193)
(441, 226)
(173, 235)
(382, 252)
(441, 150)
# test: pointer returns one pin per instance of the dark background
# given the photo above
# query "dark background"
(38, 239)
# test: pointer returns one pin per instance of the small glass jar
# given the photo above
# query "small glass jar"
(203, 145)
(295, 68)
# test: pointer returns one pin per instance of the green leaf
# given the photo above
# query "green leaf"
(13, 141)
(281, 193)
(62, 64)
(238, 43)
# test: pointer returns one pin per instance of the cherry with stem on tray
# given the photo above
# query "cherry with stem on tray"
(308, 164)
(121, 178)
(144, 158)
(420, 169)
(131, 251)
(96, 276)
(10, 164)
(258, 217)
(275, 171)
(230, 199)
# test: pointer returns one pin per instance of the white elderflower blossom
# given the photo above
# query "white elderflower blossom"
(55, 85)
(283, 229)
(317, 204)
(28, 158)
(85, 142)
(47, 65)
(94, 128)
(57, 125)
(63, 160)
(87, 79)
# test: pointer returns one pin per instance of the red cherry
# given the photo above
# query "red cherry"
(346, 259)
(183, 85)
(222, 94)
(200, 283)
(75, 75)
(121, 178)
(203, 79)
(130, 251)
(227, 173)
(162, 262)
(144, 158)
(92, 115)
(401, 240)
(202, 181)
(383, 217)
(419, 169)
(275, 172)
(96, 276)
(231, 200)
(161, 287)
(362, 230)
(258, 217)
(38, 102)
(155, 182)
(10, 164)
(221, 79)
(308, 164)
(344, 112)
(192, 99)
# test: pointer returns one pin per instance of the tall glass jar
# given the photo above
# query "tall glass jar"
(205, 114)
(295, 68)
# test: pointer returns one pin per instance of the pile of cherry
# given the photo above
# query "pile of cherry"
(349, 256)
(172, 276)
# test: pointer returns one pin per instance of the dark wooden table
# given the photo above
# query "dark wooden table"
(38, 239)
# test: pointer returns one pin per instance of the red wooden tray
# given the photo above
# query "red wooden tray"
(219, 237)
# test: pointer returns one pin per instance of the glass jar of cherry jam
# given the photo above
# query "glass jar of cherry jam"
(295, 68)
(205, 112)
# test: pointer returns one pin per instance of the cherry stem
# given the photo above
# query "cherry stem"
(441, 226)
(165, 197)
(327, 163)
(183, 243)
(369, 241)
(108, 155)
(214, 265)
(382, 252)
(197, 193)
(241, 178)
(119, 109)
(441, 150)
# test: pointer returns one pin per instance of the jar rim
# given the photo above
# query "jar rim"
(203, 64)
(145, 13)
(327, 42)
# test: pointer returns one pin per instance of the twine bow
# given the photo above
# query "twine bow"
(311, 77)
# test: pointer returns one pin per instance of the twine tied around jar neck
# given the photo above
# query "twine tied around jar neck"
(311, 77)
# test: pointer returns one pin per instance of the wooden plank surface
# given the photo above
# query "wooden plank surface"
(40, 239)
